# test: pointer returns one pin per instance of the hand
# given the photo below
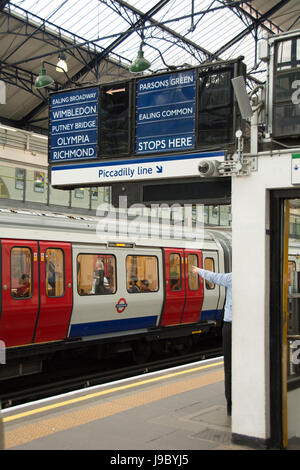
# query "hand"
(194, 269)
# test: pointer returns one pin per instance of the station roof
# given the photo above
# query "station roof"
(100, 39)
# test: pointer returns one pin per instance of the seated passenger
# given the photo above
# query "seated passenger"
(24, 287)
(176, 283)
(108, 289)
(145, 286)
(133, 287)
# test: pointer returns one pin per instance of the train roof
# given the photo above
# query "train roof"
(141, 231)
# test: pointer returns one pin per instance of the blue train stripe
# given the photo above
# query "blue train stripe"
(211, 315)
(112, 326)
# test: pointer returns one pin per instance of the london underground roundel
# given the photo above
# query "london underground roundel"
(121, 305)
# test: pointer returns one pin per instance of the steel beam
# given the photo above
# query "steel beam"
(102, 55)
(3, 4)
(251, 27)
(163, 27)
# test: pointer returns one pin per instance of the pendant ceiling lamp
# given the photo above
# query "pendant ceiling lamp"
(62, 65)
(43, 80)
(140, 64)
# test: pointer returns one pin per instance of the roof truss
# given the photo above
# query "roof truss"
(89, 54)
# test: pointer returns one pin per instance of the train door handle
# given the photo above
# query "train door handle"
(69, 285)
(4, 287)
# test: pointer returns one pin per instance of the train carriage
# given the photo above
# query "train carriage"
(64, 287)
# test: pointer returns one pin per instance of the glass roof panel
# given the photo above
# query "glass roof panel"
(212, 26)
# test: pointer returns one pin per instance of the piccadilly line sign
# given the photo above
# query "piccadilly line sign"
(136, 169)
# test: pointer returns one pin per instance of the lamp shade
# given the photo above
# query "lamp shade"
(43, 80)
(140, 64)
(61, 65)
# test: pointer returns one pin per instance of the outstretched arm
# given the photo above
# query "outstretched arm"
(224, 279)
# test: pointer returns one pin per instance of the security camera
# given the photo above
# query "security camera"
(208, 168)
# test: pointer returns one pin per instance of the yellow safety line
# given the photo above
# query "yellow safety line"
(105, 392)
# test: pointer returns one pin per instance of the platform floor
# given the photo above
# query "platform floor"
(178, 409)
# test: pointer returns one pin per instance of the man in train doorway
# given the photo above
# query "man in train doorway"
(223, 280)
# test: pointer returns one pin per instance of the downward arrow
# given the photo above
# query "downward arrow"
(159, 169)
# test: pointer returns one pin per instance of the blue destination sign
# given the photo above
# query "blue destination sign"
(74, 125)
(165, 118)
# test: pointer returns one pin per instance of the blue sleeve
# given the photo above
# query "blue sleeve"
(216, 278)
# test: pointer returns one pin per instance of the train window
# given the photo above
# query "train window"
(55, 282)
(209, 264)
(175, 272)
(21, 273)
(96, 274)
(193, 278)
(141, 274)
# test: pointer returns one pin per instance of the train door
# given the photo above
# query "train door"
(56, 291)
(284, 333)
(175, 286)
(193, 287)
(20, 292)
(211, 291)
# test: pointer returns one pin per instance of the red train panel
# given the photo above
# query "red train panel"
(56, 291)
(193, 286)
(20, 293)
(184, 298)
(175, 290)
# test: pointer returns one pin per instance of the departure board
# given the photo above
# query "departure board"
(73, 125)
(165, 112)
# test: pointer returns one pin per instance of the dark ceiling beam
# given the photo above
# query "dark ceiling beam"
(255, 23)
(252, 13)
(165, 28)
(102, 55)
(99, 57)
(32, 114)
(45, 34)
(3, 4)
(21, 78)
(23, 125)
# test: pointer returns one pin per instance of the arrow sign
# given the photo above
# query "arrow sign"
(112, 91)
(159, 169)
